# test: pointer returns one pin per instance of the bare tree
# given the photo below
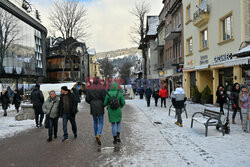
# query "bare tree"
(141, 9)
(9, 30)
(69, 19)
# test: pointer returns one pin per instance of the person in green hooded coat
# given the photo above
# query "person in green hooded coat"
(115, 115)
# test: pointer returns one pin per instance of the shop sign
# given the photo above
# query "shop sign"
(204, 60)
(191, 62)
(224, 57)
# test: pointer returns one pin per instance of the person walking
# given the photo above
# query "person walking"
(163, 94)
(95, 97)
(51, 108)
(221, 97)
(68, 110)
(115, 101)
(156, 95)
(141, 92)
(235, 102)
(244, 97)
(37, 99)
(17, 100)
(148, 93)
(5, 101)
(178, 100)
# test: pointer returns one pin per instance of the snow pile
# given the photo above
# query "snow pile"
(9, 126)
(166, 144)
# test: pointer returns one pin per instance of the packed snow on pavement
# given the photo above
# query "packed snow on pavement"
(166, 144)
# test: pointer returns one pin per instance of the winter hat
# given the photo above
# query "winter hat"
(65, 88)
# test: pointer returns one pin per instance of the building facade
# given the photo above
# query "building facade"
(173, 60)
(67, 60)
(94, 66)
(22, 43)
(152, 54)
(213, 33)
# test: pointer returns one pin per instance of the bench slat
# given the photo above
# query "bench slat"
(203, 120)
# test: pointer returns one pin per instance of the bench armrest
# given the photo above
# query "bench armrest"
(197, 113)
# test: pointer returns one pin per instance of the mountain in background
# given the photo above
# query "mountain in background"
(120, 56)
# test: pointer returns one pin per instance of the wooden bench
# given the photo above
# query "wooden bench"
(171, 108)
(209, 118)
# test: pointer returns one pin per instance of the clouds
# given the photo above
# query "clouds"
(109, 20)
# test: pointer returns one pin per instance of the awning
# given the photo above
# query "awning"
(243, 52)
(238, 61)
(201, 67)
(188, 69)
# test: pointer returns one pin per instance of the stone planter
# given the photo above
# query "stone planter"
(27, 112)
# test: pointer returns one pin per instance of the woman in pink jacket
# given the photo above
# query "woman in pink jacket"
(244, 98)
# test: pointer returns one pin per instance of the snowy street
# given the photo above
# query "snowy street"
(149, 138)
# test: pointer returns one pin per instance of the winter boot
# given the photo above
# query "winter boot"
(233, 122)
(49, 139)
(115, 140)
(98, 137)
(177, 123)
(180, 125)
(118, 137)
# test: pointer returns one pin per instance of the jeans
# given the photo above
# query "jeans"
(98, 125)
(116, 127)
(163, 100)
(221, 108)
(53, 123)
(38, 111)
(178, 113)
(156, 101)
(148, 101)
(235, 111)
(72, 120)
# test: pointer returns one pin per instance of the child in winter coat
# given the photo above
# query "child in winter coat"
(244, 98)
(115, 114)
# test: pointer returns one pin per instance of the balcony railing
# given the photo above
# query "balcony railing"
(201, 16)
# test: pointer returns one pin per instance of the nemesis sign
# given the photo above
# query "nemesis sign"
(224, 57)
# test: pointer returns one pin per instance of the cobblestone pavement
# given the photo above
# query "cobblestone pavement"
(30, 148)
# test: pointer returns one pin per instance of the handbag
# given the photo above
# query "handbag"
(46, 124)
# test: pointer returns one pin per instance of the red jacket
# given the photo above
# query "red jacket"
(163, 93)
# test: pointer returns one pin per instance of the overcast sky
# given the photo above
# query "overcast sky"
(110, 21)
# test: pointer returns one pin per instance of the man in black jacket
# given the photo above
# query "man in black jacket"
(68, 110)
(95, 97)
(37, 100)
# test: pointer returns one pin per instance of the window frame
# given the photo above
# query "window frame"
(188, 46)
(201, 39)
(221, 29)
(188, 8)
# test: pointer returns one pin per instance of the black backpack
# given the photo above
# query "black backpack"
(113, 101)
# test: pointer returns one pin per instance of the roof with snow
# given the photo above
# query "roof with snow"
(152, 24)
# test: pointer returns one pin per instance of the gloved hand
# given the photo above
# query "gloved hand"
(234, 106)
